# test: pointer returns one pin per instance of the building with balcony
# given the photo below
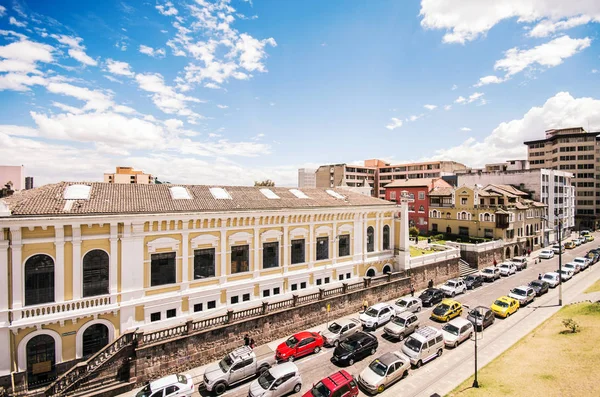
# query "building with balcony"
(128, 175)
(82, 263)
(490, 212)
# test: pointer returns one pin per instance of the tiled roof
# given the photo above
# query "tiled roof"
(441, 191)
(107, 198)
(417, 182)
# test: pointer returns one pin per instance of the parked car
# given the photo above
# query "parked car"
(546, 254)
(454, 287)
(524, 294)
(505, 306)
(356, 347)
(574, 267)
(446, 310)
(431, 296)
(340, 383)
(490, 273)
(481, 317)
(457, 331)
(577, 241)
(402, 325)
(384, 371)
(340, 330)
(556, 248)
(424, 345)
(552, 278)
(588, 238)
(540, 287)
(585, 262)
(299, 345)
(376, 315)
(565, 274)
(520, 262)
(277, 381)
(570, 245)
(409, 303)
(178, 385)
(507, 268)
(473, 281)
(593, 256)
(239, 365)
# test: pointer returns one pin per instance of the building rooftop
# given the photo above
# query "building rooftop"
(107, 198)
(416, 182)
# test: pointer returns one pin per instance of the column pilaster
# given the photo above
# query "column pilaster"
(59, 266)
(77, 263)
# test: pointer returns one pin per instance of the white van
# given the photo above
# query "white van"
(424, 345)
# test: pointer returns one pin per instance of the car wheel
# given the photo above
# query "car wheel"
(453, 293)
(405, 374)
(401, 337)
(381, 388)
(372, 350)
(418, 309)
(297, 388)
(375, 326)
(455, 345)
(317, 349)
(263, 369)
(351, 362)
(291, 359)
(336, 343)
(440, 352)
(220, 388)
(419, 364)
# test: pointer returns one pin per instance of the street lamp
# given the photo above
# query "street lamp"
(559, 257)
(475, 382)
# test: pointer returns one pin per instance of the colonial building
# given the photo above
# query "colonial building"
(80, 264)
(493, 212)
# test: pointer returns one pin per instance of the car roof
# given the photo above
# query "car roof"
(283, 369)
(519, 257)
(346, 321)
(388, 358)
(525, 287)
(481, 308)
(333, 381)
(547, 250)
(303, 334)
(505, 299)
(453, 280)
(554, 274)
(579, 257)
(162, 382)
(380, 305)
(405, 315)
(450, 301)
(459, 321)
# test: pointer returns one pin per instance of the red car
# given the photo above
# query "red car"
(340, 384)
(299, 345)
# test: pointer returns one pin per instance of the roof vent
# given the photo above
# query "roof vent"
(298, 193)
(179, 193)
(268, 193)
(335, 194)
(77, 192)
(219, 193)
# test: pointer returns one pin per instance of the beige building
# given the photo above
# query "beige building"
(577, 151)
(128, 175)
(307, 178)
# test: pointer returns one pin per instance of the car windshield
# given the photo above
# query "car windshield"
(487, 271)
(400, 321)
(518, 291)
(182, 379)
(372, 312)
(145, 392)
(450, 284)
(349, 345)
(503, 266)
(501, 303)
(266, 380)
(320, 390)
(536, 283)
(570, 266)
(335, 328)
(225, 363)
(579, 260)
(443, 308)
(475, 313)
(451, 328)
(291, 342)
(427, 292)
(378, 367)
(470, 278)
(413, 344)
(548, 277)
(401, 303)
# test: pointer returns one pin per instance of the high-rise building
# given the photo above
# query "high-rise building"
(128, 175)
(15, 174)
(306, 178)
(572, 150)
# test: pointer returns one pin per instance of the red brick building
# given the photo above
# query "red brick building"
(418, 189)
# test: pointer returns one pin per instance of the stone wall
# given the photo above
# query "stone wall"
(438, 272)
(479, 260)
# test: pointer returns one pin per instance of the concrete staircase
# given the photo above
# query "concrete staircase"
(464, 269)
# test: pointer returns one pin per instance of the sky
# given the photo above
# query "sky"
(230, 92)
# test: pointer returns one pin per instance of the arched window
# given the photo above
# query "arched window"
(421, 208)
(386, 237)
(448, 230)
(95, 273)
(94, 339)
(41, 360)
(486, 217)
(387, 269)
(370, 239)
(370, 273)
(39, 280)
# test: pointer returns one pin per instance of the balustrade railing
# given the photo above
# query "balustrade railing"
(62, 307)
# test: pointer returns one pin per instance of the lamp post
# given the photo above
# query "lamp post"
(475, 382)
(559, 257)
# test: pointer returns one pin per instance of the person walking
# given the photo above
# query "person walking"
(252, 344)
(495, 263)
(412, 290)
(365, 305)
(540, 276)
(430, 283)
(246, 340)
(528, 252)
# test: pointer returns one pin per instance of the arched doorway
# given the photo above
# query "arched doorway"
(94, 339)
(370, 273)
(448, 230)
(39, 280)
(527, 243)
(41, 361)
(95, 273)
(507, 252)
(516, 250)
(370, 239)
(386, 237)
(387, 269)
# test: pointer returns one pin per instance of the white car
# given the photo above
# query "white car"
(557, 248)
(277, 381)
(408, 304)
(551, 278)
(546, 254)
(376, 315)
(574, 267)
(454, 287)
(173, 385)
(566, 274)
(524, 294)
(457, 331)
(507, 268)
(585, 262)
(383, 372)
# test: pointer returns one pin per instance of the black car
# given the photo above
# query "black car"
(540, 287)
(481, 317)
(473, 281)
(356, 347)
(431, 296)
(592, 256)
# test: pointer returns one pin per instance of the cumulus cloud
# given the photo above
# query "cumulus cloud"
(548, 27)
(489, 80)
(19, 24)
(394, 123)
(430, 107)
(76, 49)
(466, 129)
(158, 53)
(118, 67)
(167, 9)
(2, 11)
(222, 106)
(472, 98)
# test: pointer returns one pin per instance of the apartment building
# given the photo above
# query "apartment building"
(577, 151)
(15, 174)
(307, 178)
(550, 187)
(333, 175)
(83, 263)
(128, 175)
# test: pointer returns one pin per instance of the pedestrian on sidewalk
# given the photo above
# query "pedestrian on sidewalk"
(528, 252)
(430, 283)
(246, 340)
(540, 276)
(252, 344)
(365, 305)
(495, 263)
(412, 290)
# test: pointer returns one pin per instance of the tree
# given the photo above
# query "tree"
(266, 182)
(413, 231)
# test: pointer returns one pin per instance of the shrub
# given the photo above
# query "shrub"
(571, 325)
(413, 231)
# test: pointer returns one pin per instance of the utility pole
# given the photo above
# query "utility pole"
(475, 383)
(559, 258)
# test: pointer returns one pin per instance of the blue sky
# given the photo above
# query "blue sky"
(228, 92)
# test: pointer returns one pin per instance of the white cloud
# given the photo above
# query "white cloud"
(466, 129)
(158, 53)
(460, 99)
(394, 123)
(118, 67)
(251, 52)
(472, 98)
(76, 49)
(430, 107)
(447, 107)
(466, 20)
(67, 108)
(95, 100)
(212, 86)
(114, 80)
(547, 27)
(25, 53)
(414, 117)
(594, 71)
(222, 106)
(489, 80)
(454, 87)
(475, 96)
(165, 97)
(2, 11)
(13, 21)
(168, 9)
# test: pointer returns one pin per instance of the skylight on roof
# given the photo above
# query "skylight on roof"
(179, 193)
(298, 193)
(335, 194)
(77, 192)
(268, 193)
(219, 193)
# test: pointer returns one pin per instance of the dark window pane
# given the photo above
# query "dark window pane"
(322, 248)
(239, 259)
(40, 349)
(235, 299)
(344, 245)
(386, 237)
(348, 275)
(246, 297)
(340, 277)
(204, 263)
(270, 255)
(94, 339)
(212, 304)
(39, 280)
(162, 269)
(171, 313)
(318, 281)
(276, 291)
(370, 239)
(95, 273)
(303, 285)
(155, 316)
(266, 292)
(294, 287)
(198, 307)
(298, 251)
(327, 279)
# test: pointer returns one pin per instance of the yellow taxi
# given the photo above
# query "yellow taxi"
(447, 310)
(589, 238)
(505, 306)
(570, 245)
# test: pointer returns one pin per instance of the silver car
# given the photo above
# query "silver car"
(279, 380)
(456, 331)
(339, 331)
(409, 303)
(384, 371)
(524, 294)
(402, 326)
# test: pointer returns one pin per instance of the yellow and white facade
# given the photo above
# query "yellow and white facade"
(74, 280)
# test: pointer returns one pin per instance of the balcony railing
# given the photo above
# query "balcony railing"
(48, 309)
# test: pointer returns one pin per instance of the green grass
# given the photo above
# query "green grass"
(547, 362)
(416, 251)
(594, 287)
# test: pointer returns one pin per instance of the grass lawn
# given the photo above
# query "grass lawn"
(547, 362)
(415, 251)
(594, 287)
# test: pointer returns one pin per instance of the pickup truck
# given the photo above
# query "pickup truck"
(239, 365)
